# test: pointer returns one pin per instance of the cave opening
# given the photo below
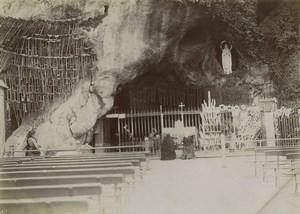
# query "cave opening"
(139, 106)
(154, 90)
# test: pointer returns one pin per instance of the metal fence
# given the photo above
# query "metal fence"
(146, 128)
(206, 126)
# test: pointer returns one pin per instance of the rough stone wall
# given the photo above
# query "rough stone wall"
(129, 40)
(135, 37)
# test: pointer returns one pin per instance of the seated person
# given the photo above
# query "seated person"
(188, 148)
(168, 148)
(31, 144)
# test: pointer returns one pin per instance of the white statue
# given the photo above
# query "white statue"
(226, 57)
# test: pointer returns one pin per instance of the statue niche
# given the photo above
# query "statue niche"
(226, 57)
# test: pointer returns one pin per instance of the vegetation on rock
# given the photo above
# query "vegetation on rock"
(262, 32)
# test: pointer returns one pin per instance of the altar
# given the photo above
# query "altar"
(179, 130)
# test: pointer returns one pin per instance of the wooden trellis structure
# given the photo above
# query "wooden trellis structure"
(41, 60)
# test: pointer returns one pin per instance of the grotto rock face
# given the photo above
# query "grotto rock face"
(176, 39)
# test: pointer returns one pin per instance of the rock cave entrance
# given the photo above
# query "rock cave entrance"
(197, 68)
(154, 89)
(149, 94)
(167, 85)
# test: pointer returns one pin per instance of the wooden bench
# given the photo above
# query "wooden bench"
(128, 172)
(291, 171)
(141, 159)
(277, 153)
(50, 191)
(86, 166)
(66, 163)
(135, 161)
(43, 206)
(144, 165)
(262, 150)
(294, 157)
(85, 192)
(22, 178)
(114, 179)
(291, 168)
(106, 155)
(117, 180)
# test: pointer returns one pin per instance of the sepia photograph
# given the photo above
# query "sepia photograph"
(149, 106)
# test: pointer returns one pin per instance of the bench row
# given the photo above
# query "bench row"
(68, 177)
(284, 161)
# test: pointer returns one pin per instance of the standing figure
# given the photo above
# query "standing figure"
(157, 144)
(31, 144)
(152, 140)
(226, 57)
(168, 148)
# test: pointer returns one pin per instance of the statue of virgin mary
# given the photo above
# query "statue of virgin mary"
(226, 57)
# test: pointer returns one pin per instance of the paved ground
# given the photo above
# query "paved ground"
(285, 201)
(203, 186)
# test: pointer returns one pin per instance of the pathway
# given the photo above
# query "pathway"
(285, 201)
(201, 186)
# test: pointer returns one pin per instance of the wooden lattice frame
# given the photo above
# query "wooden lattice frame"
(41, 60)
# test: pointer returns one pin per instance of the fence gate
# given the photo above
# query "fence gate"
(133, 126)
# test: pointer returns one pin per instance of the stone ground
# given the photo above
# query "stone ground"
(285, 201)
(203, 186)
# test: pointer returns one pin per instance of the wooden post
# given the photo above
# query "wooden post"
(3, 86)
(119, 131)
(132, 130)
(161, 119)
(278, 174)
(222, 136)
(266, 169)
(148, 116)
(268, 108)
(269, 127)
(99, 135)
